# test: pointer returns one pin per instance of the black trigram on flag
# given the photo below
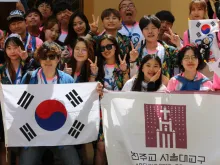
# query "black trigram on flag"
(213, 23)
(28, 132)
(76, 128)
(198, 24)
(74, 98)
(198, 34)
(25, 100)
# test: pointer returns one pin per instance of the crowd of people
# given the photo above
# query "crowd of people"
(51, 44)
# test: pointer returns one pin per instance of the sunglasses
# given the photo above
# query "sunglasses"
(108, 47)
(51, 57)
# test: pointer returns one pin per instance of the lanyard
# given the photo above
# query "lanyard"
(129, 32)
(44, 77)
(45, 80)
(17, 75)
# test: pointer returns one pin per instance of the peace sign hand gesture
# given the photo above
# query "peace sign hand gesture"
(95, 25)
(134, 53)
(22, 54)
(175, 39)
(123, 64)
(93, 67)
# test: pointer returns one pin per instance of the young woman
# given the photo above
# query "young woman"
(189, 61)
(150, 26)
(78, 27)
(48, 56)
(51, 30)
(113, 74)
(81, 66)
(15, 66)
(198, 11)
(149, 76)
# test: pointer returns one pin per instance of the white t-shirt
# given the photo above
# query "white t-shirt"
(129, 84)
(134, 32)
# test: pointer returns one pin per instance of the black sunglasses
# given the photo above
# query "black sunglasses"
(108, 47)
(51, 57)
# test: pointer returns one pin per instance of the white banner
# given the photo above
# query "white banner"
(161, 129)
(205, 32)
(50, 115)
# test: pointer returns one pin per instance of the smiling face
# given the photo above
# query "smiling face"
(49, 65)
(128, 11)
(190, 61)
(150, 68)
(12, 51)
(111, 22)
(79, 26)
(197, 12)
(150, 32)
(108, 49)
(80, 52)
(18, 27)
(33, 19)
(52, 33)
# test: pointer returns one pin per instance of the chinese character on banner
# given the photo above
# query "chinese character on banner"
(165, 126)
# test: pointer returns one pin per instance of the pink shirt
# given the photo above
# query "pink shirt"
(39, 42)
(216, 81)
(175, 85)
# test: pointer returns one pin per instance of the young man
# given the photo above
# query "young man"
(167, 19)
(17, 25)
(130, 27)
(62, 10)
(111, 21)
(46, 9)
(33, 19)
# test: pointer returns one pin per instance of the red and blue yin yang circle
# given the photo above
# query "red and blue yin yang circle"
(205, 29)
(50, 115)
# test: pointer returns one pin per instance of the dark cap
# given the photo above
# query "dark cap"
(15, 14)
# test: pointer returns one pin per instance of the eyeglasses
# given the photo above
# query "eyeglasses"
(130, 6)
(188, 58)
(51, 57)
(108, 47)
(83, 51)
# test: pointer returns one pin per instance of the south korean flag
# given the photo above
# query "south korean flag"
(50, 115)
(205, 32)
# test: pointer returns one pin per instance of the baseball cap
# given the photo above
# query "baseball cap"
(16, 14)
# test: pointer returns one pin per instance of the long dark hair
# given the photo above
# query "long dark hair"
(101, 59)
(85, 70)
(15, 41)
(72, 36)
(137, 86)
